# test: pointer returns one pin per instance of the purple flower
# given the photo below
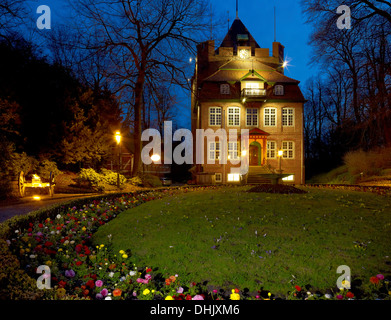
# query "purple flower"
(380, 277)
(99, 296)
(339, 297)
(99, 283)
(70, 273)
(180, 290)
(197, 297)
(104, 292)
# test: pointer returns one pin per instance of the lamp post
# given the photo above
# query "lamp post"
(118, 139)
(280, 153)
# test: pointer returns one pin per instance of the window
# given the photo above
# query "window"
(270, 117)
(233, 153)
(279, 90)
(271, 150)
(252, 117)
(215, 116)
(289, 178)
(233, 177)
(225, 89)
(234, 116)
(214, 151)
(288, 148)
(218, 177)
(288, 117)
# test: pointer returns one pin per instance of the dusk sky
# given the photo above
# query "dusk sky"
(257, 16)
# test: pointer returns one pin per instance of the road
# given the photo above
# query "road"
(28, 204)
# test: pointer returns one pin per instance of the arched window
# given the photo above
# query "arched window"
(279, 90)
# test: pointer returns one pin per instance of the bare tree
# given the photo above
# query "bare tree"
(143, 38)
(11, 15)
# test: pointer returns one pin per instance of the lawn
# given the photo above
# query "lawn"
(233, 238)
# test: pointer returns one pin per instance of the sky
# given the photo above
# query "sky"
(257, 16)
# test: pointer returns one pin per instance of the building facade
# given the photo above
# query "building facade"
(240, 85)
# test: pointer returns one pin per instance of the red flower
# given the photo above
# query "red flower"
(79, 263)
(40, 225)
(62, 284)
(350, 295)
(48, 244)
(148, 270)
(374, 280)
(298, 288)
(188, 297)
(236, 290)
(90, 284)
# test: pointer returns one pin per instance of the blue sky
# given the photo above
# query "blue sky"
(257, 16)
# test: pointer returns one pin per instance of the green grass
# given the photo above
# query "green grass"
(232, 238)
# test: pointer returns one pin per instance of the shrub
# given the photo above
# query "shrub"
(136, 181)
(111, 177)
(369, 163)
(45, 167)
(150, 180)
(90, 178)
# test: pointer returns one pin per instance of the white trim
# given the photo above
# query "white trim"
(269, 115)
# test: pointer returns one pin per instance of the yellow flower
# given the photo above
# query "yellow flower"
(146, 291)
(169, 298)
(234, 296)
(48, 263)
(124, 256)
(84, 228)
(121, 251)
(60, 292)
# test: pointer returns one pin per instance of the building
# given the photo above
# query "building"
(240, 85)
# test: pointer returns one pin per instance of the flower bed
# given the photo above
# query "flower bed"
(381, 190)
(60, 238)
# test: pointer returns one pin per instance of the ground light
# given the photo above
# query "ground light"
(37, 198)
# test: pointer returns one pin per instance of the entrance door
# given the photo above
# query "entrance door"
(254, 155)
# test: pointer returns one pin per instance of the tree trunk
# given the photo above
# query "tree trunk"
(138, 93)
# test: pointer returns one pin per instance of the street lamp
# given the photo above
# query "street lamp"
(280, 153)
(155, 157)
(118, 139)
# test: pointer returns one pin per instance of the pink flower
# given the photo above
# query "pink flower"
(339, 297)
(104, 292)
(148, 276)
(380, 277)
(198, 297)
(180, 290)
(99, 283)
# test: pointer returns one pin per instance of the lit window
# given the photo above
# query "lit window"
(288, 148)
(214, 151)
(270, 117)
(215, 116)
(289, 178)
(233, 153)
(252, 117)
(218, 177)
(279, 90)
(288, 117)
(234, 116)
(271, 149)
(233, 177)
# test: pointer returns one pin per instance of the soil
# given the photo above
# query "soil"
(276, 188)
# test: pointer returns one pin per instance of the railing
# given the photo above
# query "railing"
(253, 92)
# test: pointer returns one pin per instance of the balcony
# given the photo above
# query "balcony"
(253, 92)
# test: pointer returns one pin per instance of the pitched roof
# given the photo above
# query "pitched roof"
(238, 34)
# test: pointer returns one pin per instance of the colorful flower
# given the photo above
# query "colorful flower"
(374, 280)
(169, 298)
(234, 295)
(146, 291)
(198, 297)
(117, 293)
(99, 283)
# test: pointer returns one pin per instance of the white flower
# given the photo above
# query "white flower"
(72, 242)
(132, 273)
(328, 296)
(52, 232)
(16, 231)
(32, 256)
(111, 274)
(108, 298)
(58, 216)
